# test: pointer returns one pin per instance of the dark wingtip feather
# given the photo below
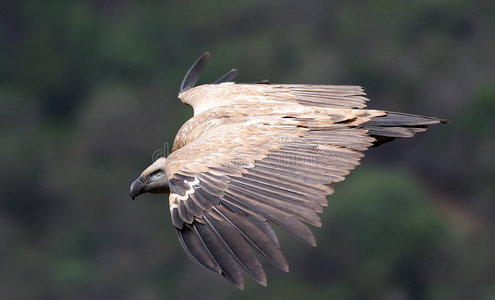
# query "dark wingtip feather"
(193, 74)
(286, 269)
(195, 250)
(220, 254)
(398, 125)
(237, 284)
(227, 77)
(311, 240)
(256, 236)
(238, 247)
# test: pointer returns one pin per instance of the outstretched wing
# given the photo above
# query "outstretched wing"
(209, 96)
(248, 171)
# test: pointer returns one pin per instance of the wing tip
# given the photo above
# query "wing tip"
(263, 281)
(192, 74)
(238, 284)
(285, 267)
(228, 77)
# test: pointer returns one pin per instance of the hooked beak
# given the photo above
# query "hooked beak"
(137, 187)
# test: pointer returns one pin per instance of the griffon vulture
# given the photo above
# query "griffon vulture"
(260, 154)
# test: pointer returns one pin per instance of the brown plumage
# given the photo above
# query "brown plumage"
(255, 154)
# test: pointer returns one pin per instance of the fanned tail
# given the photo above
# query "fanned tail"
(398, 125)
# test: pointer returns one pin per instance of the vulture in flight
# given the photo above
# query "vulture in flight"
(260, 154)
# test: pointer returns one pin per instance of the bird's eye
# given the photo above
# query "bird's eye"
(157, 173)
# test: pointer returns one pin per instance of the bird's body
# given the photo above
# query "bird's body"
(255, 154)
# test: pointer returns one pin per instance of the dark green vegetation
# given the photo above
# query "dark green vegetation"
(88, 91)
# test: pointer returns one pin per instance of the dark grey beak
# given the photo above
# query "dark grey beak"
(137, 187)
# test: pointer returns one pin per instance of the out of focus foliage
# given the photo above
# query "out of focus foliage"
(88, 94)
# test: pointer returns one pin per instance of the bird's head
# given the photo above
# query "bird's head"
(152, 180)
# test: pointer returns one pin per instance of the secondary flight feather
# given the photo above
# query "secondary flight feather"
(254, 155)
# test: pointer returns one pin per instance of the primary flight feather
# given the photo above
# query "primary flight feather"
(255, 154)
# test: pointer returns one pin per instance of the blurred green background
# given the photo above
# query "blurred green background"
(88, 93)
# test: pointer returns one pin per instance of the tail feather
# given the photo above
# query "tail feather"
(398, 125)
